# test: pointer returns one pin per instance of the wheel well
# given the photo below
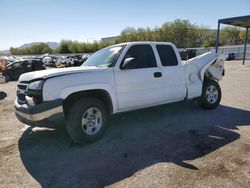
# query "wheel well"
(96, 93)
(208, 76)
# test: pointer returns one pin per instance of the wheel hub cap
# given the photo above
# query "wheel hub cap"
(91, 121)
(212, 94)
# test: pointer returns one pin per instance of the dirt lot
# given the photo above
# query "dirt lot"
(175, 145)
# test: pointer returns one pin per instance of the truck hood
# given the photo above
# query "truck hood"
(44, 74)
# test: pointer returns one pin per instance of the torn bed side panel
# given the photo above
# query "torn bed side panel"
(216, 69)
(193, 81)
(195, 69)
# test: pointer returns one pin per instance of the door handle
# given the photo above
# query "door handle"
(157, 74)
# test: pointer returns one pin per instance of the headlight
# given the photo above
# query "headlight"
(37, 85)
(34, 92)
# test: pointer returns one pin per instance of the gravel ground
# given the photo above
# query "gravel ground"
(175, 145)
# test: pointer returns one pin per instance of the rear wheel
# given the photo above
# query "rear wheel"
(86, 120)
(211, 94)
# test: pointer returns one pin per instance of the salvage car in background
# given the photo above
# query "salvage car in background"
(70, 61)
(14, 70)
(230, 56)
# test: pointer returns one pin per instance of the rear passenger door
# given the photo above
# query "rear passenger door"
(141, 85)
(173, 77)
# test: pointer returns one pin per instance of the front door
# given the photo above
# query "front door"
(140, 85)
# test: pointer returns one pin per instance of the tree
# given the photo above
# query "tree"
(64, 47)
(209, 38)
(104, 45)
(33, 50)
(73, 47)
(47, 50)
(243, 35)
(180, 32)
(231, 35)
(82, 47)
(128, 34)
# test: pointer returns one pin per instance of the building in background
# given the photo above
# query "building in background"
(109, 39)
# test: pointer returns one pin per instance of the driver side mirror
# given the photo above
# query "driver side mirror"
(129, 63)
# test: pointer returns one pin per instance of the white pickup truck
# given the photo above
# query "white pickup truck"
(115, 79)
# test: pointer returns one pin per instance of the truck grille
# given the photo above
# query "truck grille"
(21, 92)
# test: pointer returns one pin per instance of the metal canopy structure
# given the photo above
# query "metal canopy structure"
(242, 21)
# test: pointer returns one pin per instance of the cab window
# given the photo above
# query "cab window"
(143, 55)
(167, 55)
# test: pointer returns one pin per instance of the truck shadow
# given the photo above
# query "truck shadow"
(171, 133)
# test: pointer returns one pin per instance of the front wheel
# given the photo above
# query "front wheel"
(211, 94)
(86, 120)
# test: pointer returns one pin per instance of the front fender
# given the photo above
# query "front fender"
(77, 88)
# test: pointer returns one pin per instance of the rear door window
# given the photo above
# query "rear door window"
(167, 55)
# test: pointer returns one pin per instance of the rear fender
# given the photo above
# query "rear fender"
(209, 65)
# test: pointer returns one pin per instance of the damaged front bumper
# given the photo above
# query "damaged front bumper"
(41, 115)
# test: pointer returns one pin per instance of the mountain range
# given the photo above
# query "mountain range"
(52, 45)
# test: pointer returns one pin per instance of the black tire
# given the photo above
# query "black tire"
(74, 120)
(210, 101)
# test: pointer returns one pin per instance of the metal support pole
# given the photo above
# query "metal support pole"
(217, 37)
(245, 46)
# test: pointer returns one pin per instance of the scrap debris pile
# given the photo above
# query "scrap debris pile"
(11, 67)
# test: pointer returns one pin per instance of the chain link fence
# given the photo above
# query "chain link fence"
(238, 51)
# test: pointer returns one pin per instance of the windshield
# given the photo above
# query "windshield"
(105, 57)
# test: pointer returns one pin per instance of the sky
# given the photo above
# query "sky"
(25, 21)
